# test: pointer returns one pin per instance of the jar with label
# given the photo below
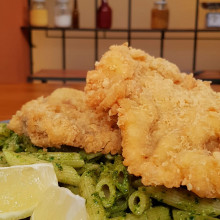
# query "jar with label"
(159, 15)
(38, 13)
(63, 14)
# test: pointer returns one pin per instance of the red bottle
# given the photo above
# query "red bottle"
(104, 15)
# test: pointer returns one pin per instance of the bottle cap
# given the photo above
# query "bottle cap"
(63, 1)
(39, 0)
(160, 2)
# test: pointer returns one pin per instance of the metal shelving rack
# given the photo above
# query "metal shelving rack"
(77, 77)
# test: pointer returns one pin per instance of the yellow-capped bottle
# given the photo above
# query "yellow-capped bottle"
(38, 13)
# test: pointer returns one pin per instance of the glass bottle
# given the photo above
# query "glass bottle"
(159, 15)
(75, 15)
(38, 13)
(62, 15)
(104, 15)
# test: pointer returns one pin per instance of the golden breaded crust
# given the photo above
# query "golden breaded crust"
(170, 122)
(63, 118)
(120, 73)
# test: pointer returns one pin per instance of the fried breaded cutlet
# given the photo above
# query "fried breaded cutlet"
(170, 122)
(63, 118)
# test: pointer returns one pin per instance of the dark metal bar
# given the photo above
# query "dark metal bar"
(30, 45)
(63, 50)
(96, 33)
(96, 46)
(64, 79)
(195, 37)
(117, 29)
(162, 43)
(30, 52)
(129, 23)
(104, 37)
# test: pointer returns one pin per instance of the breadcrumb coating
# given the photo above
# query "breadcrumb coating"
(63, 118)
(170, 122)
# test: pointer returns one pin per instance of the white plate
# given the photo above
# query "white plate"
(6, 121)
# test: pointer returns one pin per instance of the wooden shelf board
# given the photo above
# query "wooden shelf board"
(209, 75)
(80, 75)
(55, 74)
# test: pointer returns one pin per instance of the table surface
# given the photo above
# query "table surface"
(13, 96)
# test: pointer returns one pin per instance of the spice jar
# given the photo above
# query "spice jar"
(62, 15)
(159, 15)
(38, 13)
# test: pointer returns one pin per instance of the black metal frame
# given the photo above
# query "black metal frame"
(128, 30)
(195, 37)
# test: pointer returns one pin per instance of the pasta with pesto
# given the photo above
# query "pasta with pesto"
(111, 193)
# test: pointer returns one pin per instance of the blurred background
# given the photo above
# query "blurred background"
(50, 50)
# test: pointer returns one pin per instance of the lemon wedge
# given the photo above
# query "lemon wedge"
(21, 188)
(59, 203)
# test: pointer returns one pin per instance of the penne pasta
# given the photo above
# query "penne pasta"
(106, 190)
(72, 159)
(138, 202)
(111, 193)
(65, 174)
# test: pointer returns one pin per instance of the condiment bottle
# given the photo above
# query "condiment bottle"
(75, 15)
(38, 13)
(159, 15)
(104, 15)
(62, 15)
